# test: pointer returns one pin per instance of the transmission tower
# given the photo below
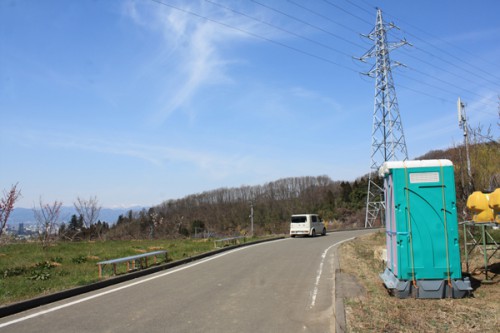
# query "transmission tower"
(388, 140)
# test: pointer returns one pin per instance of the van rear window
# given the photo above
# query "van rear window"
(299, 219)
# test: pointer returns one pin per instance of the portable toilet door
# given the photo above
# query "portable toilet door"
(390, 225)
(421, 220)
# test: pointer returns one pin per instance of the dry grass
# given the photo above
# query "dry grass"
(379, 312)
(155, 248)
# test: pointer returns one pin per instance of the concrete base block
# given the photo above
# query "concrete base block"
(436, 289)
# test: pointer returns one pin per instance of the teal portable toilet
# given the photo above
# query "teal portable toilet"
(423, 253)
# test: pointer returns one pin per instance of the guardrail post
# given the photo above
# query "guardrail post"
(143, 260)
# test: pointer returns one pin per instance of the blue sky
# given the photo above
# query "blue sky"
(137, 102)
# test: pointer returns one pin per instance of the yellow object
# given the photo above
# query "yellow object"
(494, 203)
(477, 203)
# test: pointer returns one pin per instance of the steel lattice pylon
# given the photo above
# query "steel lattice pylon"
(388, 140)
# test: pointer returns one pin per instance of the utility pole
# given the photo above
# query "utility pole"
(251, 218)
(462, 123)
(388, 140)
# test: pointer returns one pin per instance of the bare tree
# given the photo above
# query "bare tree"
(89, 210)
(155, 221)
(47, 216)
(7, 202)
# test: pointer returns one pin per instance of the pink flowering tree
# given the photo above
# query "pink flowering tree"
(7, 202)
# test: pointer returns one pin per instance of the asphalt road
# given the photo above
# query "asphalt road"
(279, 286)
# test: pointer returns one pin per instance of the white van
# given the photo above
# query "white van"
(307, 225)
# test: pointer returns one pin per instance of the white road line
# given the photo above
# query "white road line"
(62, 306)
(314, 293)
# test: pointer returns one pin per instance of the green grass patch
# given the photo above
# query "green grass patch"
(27, 270)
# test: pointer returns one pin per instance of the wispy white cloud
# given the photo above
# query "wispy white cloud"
(485, 109)
(439, 130)
(476, 35)
(194, 47)
(316, 96)
(215, 165)
(435, 129)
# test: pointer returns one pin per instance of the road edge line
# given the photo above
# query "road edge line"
(339, 309)
(29, 304)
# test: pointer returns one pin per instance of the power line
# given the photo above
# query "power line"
(301, 51)
(414, 57)
(308, 24)
(441, 99)
(435, 66)
(359, 7)
(453, 56)
(450, 101)
(281, 29)
(440, 88)
(432, 65)
(324, 17)
(426, 94)
(255, 35)
(446, 82)
(446, 52)
(436, 47)
(440, 68)
(348, 12)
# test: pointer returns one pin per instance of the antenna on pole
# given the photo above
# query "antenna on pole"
(388, 140)
(462, 123)
(460, 105)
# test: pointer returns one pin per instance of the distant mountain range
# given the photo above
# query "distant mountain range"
(109, 215)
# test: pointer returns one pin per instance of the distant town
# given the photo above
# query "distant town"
(22, 225)
(22, 231)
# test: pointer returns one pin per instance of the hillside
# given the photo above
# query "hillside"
(25, 215)
(341, 203)
(225, 211)
(485, 168)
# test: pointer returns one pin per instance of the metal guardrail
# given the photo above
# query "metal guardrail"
(228, 241)
(131, 260)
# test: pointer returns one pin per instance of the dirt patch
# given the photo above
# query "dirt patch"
(347, 286)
